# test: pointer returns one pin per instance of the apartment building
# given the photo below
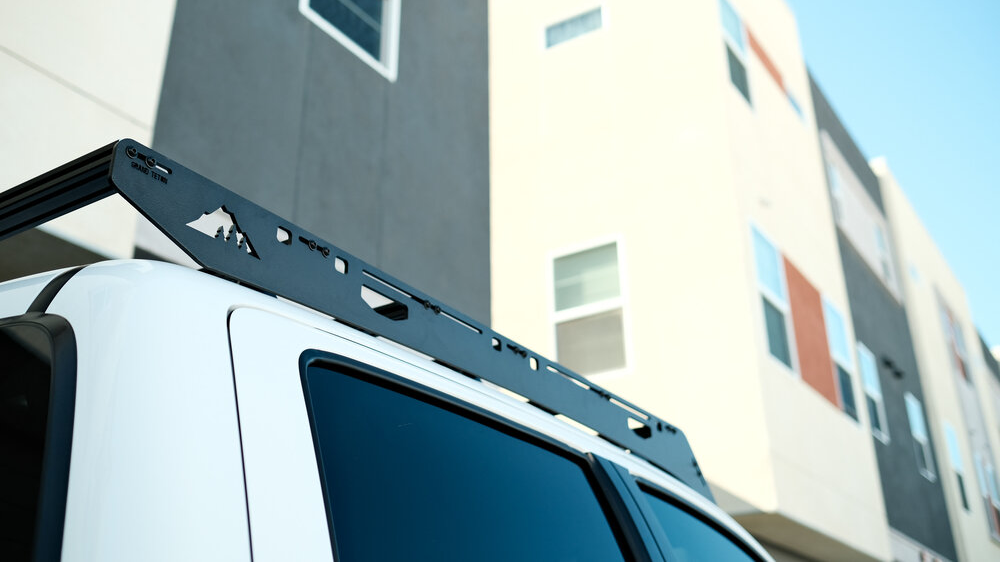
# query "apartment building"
(957, 378)
(658, 196)
(909, 455)
(365, 122)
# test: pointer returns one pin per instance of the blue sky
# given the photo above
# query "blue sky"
(919, 83)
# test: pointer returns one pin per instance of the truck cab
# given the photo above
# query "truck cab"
(150, 411)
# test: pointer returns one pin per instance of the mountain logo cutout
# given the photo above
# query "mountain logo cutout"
(220, 223)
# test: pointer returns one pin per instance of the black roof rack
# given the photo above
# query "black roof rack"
(257, 248)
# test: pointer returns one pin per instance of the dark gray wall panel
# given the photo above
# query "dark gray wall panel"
(914, 505)
(342, 157)
(827, 119)
(261, 100)
(231, 100)
(439, 179)
(991, 362)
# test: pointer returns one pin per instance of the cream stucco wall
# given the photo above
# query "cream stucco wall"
(634, 133)
(926, 274)
(824, 463)
(75, 76)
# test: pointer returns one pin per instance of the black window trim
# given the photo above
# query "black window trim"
(620, 515)
(639, 486)
(54, 484)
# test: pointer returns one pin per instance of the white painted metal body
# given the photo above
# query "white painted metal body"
(191, 438)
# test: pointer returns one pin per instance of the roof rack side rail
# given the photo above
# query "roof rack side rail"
(237, 239)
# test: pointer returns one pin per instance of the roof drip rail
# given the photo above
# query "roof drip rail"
(237, 239)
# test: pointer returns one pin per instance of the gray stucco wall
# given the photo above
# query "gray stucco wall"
(991, 362)
(262, 101)
(914, 505)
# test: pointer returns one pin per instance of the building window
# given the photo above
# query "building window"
(921, 442)
(836, 182)
(840, 352)
(883, 253)
(738, 74)
(368, 28)
(956, 342)
(956, 462)
(458, 462)
(774, 297)
(732, 26)
(795, 105)
(990, 493)
(734, 38)
(573, 27)
(873, 393)
(589, 319)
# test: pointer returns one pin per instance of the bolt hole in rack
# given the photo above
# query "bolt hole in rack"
(237, 239)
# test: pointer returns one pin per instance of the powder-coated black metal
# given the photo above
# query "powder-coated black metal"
(264, 251)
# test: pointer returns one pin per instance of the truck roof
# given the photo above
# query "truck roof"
(238, 240)
(146, 302)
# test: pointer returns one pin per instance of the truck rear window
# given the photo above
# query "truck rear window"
(26, 466)
(411, 478)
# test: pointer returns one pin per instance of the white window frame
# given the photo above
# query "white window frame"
(846, 362)
(957, 465)
(953, 337)
(557, 317)
(986, 474)
(389, 35)
(731, 41)
(885, 257)
(836, 182)
(741, 53)
(783, 306)
(880, 434)
(924, 443)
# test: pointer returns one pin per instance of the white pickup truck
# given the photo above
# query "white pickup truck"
(290, 402)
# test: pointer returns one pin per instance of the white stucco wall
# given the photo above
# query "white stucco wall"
(635, 133)
(75, 76)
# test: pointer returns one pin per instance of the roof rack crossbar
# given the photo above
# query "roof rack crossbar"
(57, 192)
(260, 249)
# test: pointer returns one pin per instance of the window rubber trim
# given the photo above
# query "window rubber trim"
(51, 289)
(54, 484)
(625, 530)
(639, 486)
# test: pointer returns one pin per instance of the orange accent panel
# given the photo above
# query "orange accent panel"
(810, 334)
(759, 51)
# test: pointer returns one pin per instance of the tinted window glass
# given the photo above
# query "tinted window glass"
(692, 539)
(361, 20)
(738, 74)
(847, 392)
(777, 335)
(873, 414)
(408, 479)
(25, 369)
